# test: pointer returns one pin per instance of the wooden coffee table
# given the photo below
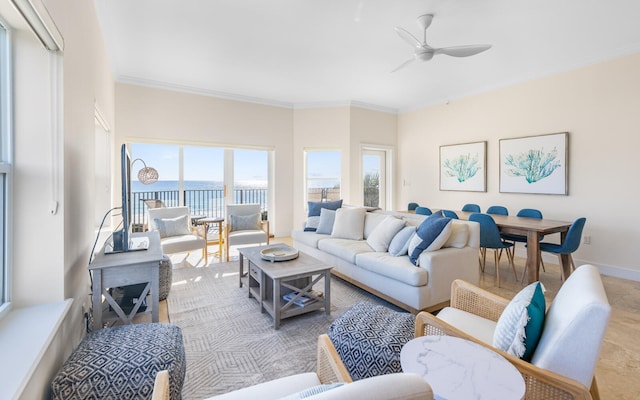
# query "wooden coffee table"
(268, 281)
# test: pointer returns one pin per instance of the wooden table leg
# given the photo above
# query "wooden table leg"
(533, 256)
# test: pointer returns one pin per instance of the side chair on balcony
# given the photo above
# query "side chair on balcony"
(243, 225)
(177, 234)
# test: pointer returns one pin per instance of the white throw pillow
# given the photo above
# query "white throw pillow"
(399, 246)
(173, 226)
(349, 223)
(383, 234)
(459, 235)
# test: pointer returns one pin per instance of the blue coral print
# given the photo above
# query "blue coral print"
(463, 167)
(534, 165)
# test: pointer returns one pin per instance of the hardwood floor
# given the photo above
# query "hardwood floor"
(618, 370)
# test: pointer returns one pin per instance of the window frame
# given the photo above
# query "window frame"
(6, 166)
(307, 179)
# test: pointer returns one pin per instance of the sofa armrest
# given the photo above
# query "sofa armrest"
(540, 383)
(329, 365)
(470, 298)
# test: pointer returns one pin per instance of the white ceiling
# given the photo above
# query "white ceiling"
(300, 53)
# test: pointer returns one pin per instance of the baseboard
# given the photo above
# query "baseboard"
(608, 270)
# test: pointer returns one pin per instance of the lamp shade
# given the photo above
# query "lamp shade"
(148, 175)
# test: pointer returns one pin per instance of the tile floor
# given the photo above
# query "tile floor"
(618, 370)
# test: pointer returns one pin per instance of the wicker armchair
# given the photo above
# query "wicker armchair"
(540, 383)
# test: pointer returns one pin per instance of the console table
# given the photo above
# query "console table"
(123, 269)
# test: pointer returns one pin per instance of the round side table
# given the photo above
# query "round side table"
(460, 369)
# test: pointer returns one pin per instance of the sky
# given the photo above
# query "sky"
(200, 163)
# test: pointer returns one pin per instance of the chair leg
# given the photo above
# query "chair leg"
(513, 266)
(496, 255)
(483, 260)
(593, 390)
(562, 277)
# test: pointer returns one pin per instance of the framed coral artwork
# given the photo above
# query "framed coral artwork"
(464, 167)
(535, 164)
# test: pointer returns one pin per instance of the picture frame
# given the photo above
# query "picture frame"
(535, 164)
(463, 167)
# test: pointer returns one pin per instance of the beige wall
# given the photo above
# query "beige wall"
(597, 105)
(154, 115)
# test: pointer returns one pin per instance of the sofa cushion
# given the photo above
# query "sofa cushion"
(327, 218)
(344, 249)
(399, 245)
(520, 324)
(382, 235)
(397, 268)
(349, 223)
(480, 328)
(316, 206)
(459, 235)
(430, 236)
(274, 389)
(310, 239)
(177, 226)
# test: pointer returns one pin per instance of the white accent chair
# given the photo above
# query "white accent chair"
(563, 364)
(243, 225)
(177, 234)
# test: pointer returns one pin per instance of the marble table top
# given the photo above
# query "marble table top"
(460, 369)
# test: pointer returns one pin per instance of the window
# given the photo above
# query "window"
(322, 175)
(5, 165)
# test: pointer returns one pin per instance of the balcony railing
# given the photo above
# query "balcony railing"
(207, 202)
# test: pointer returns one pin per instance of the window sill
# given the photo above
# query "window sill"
(25, 335)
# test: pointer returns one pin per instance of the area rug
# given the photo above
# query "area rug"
(229, 344)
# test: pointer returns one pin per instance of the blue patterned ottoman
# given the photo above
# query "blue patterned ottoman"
(121, 363)
(368, 339)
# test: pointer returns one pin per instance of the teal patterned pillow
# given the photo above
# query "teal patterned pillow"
(520, 325)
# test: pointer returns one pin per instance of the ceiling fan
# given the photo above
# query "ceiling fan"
(424, 52)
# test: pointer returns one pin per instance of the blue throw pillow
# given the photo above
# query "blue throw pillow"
(316, 206)
(400, 243)
(433, 232)
(520, 325)
(327, 218)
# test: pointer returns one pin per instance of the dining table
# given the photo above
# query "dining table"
(533, 229)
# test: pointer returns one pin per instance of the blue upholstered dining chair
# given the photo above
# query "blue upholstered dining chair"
(423, 210)
(510, 237)
(498, 210)
(469, 207)
(412, 206)
(490, 239)
(450, 214)
(570, 244)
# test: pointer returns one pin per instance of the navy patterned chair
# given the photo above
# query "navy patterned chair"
(122, 363)
(368, 338)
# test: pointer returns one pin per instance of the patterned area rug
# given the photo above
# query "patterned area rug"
(229, 344)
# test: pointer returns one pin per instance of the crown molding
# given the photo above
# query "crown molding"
(249, 99)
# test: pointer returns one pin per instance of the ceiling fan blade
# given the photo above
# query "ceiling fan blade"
(404, 64)
(408, 37)
(463, 51)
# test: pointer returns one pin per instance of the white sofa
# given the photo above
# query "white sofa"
(396, 279)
